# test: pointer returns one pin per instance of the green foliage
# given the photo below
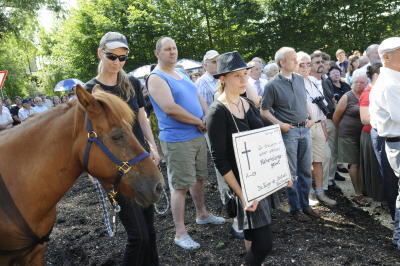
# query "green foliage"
(18, 81)
(16, 14)
(329, 25)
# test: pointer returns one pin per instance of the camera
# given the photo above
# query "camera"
(320, 101)
(336, 96)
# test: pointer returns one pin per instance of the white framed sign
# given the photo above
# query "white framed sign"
(262, 162)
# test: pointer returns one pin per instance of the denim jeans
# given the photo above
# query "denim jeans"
(299, 151)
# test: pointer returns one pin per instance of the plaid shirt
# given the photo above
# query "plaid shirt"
(207, 86)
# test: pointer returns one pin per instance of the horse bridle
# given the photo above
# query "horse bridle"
(123, 167)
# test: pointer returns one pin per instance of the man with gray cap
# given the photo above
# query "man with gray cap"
(207, 84)
(384, 111)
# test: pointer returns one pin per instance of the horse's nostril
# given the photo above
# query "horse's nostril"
(159, 188)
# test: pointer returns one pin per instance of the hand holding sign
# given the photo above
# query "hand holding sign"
(262, 163)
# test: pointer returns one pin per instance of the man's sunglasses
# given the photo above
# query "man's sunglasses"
(114, 57)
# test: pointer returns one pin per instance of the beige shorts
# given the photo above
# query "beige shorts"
(318, 143)
(186, 162)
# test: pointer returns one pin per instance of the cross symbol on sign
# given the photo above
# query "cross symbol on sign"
(246, 151)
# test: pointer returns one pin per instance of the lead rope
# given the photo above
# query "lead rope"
(163, 195)
(106, 217)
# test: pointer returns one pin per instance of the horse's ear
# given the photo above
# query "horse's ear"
(86, 99)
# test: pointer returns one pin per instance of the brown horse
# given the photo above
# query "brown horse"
(41, 159)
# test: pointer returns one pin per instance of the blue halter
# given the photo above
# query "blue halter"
(123, 167)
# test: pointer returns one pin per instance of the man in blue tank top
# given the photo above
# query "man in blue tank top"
(180, 112)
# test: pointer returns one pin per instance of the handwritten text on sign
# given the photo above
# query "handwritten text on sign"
(262, 162)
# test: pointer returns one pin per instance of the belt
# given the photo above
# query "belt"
(319, 121)
(299, 124)
(395, 139)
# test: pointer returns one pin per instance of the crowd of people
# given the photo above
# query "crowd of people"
(12, 114)
(335, 116)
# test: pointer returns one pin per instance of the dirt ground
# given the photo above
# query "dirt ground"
(344, 235)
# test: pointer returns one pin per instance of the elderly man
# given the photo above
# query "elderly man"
(315, 101)
(207, 84)
(286, 97)
(373, 57)
(26, 110)
(6, 120)
(384, 111)
(180, 111)
(255, 79)
(39, 106)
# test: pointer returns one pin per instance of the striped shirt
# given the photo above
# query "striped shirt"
(207, 87)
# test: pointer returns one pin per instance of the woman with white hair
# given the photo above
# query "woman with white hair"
(347, 120)
(271, 70)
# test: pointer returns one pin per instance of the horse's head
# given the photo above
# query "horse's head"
(111, 120)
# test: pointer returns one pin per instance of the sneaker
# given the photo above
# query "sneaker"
(339, 177)
(299, 216)
(361, 201)
(312, 199)
(187, 242)
(236, 234)
(325, 200)
(310, 212)
(342, 170)
(211, 219)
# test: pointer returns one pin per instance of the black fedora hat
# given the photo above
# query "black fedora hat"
(230, 62)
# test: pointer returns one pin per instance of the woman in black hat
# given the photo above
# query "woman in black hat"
(113, 52)
(229, 114)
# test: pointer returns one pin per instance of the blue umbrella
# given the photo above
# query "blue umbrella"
(67, 84)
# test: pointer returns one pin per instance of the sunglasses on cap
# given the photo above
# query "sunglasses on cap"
(114, 57)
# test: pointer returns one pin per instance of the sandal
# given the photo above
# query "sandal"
(187, 242)
(361, 201)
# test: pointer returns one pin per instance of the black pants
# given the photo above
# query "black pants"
(141, 248)
(261, 245)
(390, 180)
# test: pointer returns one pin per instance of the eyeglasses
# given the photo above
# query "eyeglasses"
(319, 62)
(302, 65)
(114, 57)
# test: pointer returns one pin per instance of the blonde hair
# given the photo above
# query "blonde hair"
(124, 85)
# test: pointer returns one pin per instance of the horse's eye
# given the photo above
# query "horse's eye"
(117, 137)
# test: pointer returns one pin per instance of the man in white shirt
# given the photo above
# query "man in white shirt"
(207, 84)
(384, 112)
(319, 133)
(255, 79)
(26, 110)
(5, 117)
(39, 107)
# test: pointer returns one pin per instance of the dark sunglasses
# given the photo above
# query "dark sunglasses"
(114, 57)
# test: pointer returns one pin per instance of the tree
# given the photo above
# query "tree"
(330, 25)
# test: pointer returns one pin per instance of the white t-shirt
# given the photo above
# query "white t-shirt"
(5, 117)
(39, 109)
(385, 102)
(314, 90)
(25, 113)
(260, 87)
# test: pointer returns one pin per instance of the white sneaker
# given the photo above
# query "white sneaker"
(324, 199)
(312, 199)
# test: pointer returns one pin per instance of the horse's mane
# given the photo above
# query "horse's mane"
(116, 109)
